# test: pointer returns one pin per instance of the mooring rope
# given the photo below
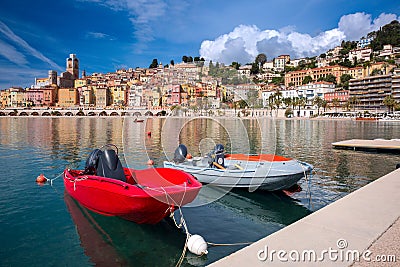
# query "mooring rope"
(55, 178)
(229, 244)
(308, 178)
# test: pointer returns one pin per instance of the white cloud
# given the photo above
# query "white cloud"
(99, 35)
(12, 54)
(245, 42)
(357, 25)
(142, 14)
(18, 76)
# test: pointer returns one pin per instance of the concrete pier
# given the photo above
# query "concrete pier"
(376, 144)
(361, 229)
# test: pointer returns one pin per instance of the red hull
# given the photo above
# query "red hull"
(149, 196)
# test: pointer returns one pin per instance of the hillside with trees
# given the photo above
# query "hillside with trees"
(388, 34)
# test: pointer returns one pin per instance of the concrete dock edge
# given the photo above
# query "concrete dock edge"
(348, 231)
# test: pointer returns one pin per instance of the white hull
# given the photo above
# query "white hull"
(263, 175)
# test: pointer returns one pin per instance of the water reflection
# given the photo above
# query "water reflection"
(31, 145)
(110, 241)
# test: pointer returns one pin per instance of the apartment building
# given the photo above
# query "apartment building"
(341, 95)
(295, 78)
(396, 85)
(313, 90)
(370, 91)
(360, 54)
(280, 62)
(68, 97)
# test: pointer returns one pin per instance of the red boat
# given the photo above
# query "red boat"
(142, 196)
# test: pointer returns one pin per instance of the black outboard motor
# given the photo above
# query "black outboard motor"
(180, 154)
(110, 166)
(218, 156)
(92, 161)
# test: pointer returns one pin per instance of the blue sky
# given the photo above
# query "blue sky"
(36, 36)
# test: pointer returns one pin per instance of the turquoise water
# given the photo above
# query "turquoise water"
(42, 226)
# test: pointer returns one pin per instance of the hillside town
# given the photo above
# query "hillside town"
(350, 77)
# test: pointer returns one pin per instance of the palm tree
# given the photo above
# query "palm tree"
(325, 105)
(353, 101)
(287, 101)
(347, 105)
(302, 102)
(389, 102)
(335, 103)
(277, 100)
(271, 102)
(318, 102)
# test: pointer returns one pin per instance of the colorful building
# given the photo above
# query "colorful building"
(68, 97)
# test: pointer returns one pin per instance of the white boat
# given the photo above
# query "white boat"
(264, 171)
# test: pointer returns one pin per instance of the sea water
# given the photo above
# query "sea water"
(43, 226)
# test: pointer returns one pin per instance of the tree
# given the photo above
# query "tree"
(185, 59)
(278, 80)
(235, 65)
(324, 105)
(388, 34)
(288, 113)
(254, 68)
(328, 78)
(154, 64)
(335, 103)
(172, 62)
(318, 102)
(242, 103)
(277, 99)
(261, 59)
(287, 101)
(390, 102)
(302, 102)
(376, 72)
(344, 80)
(353, 101)
(307, 80)
(346, 62)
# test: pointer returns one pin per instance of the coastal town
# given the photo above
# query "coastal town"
(357, 76)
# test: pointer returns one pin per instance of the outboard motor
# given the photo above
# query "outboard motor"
(218, 156)
(180, 154)
(110, 166)
(92, 161)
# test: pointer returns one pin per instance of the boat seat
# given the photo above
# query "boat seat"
(110, 166)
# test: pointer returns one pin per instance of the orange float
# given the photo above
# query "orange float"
(41, 178)
(189, 156)
(150, 162)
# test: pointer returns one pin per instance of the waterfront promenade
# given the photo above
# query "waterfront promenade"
(365, 222)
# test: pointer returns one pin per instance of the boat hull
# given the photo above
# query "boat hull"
(256, 174)
(155, 195)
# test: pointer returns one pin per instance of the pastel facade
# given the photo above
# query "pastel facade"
(342, 96)
(68, 97)
(295, 78)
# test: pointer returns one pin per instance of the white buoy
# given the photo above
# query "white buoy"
(197, 245)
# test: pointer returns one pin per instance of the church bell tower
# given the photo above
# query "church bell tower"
(73, 66)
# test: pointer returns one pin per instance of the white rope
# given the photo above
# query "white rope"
(78, 180)
(229, 244)
(308, 180)
(182, 220)
(58, 176)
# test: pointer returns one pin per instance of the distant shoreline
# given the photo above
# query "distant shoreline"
(191, 117)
